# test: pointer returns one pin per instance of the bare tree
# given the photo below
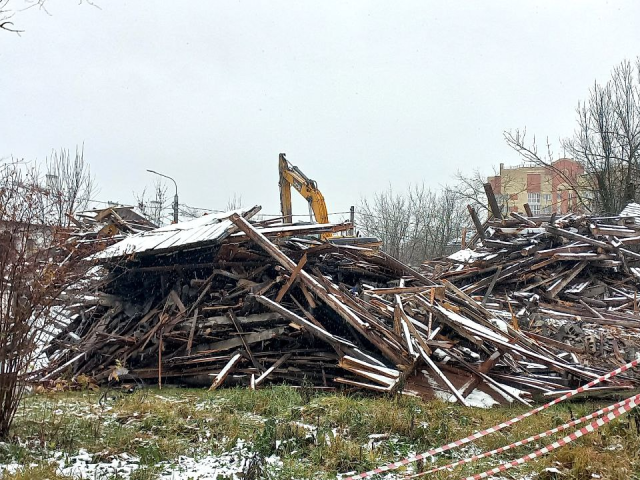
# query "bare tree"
(388, 217)
(36, 266)
(9, 8)
(234, 203)
(189, 212)
(155, 205)
(606, 143)
(69, 184)
(7, 12)
(415, 225)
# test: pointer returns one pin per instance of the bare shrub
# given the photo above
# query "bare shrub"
(37, 265)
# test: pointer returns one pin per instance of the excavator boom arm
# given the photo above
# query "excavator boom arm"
(291, 176)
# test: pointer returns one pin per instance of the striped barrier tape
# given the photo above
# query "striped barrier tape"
(533, 438)
(591, 427)
(482, 433)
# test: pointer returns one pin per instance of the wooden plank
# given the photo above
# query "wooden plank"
(268, 371)
(352, 362)
(368, 386)
(573, 273)
(160, 362)
(441, 378)
(200, 297)
(312, 303)
(591, 241)
(249, 320)
(192, 331)
(592, 310)
(397, 290)
(414, 331)
(250, 339)
(292, 278)
(225, 371)
(307, 314)
(524, 220)
(176, 300)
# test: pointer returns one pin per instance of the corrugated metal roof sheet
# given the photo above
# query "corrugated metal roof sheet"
(632, 210)
(207, 228)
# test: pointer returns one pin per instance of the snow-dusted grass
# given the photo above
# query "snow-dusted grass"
(281, 433)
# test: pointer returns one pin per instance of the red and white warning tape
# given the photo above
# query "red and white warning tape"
(482, 433)
(533, 438)
(591, 427)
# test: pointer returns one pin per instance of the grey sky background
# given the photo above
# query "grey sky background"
(360, 95)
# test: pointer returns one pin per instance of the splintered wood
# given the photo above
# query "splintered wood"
(263, 303)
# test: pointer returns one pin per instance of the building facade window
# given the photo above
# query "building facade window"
(533, 199)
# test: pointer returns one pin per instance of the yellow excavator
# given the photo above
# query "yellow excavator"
(292, 176)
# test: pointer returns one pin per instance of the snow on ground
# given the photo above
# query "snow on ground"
(210, 467)
(230, 464)
(83, 465)
(477, 398)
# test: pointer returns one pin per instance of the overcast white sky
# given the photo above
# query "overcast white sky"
(360, 95)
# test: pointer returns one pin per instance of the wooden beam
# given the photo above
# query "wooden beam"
(310, 327)
(491, 382)
(493, 203)
(406, 269)
(527, 210)
(292, 278)
(484, 367)
(491, 285)
(413, 330)
(476, 222)
(240, 331)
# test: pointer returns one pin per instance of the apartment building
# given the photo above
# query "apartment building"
(545, 189)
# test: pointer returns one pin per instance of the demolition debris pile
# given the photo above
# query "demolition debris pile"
(222, 300)
(104, 226)
(570, 282)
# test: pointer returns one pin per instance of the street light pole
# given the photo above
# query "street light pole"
(175, 197)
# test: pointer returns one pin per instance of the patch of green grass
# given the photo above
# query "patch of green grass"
(314, 435)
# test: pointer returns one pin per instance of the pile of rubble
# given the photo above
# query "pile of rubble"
(570, 282)
(222, 300)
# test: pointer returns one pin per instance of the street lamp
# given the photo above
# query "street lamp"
(175, 198)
